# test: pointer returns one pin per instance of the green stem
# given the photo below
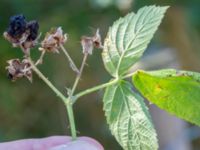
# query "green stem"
(101, 86)
(93, 89)
(59, 94)
(56, 91)
(71, 121)
(72, 64)
(40, 60)
(79, 74)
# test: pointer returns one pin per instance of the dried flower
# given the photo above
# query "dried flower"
(31, 36)
(17, 69)
(22, 33)
(89, 43)
(97, 40)
(53, 40)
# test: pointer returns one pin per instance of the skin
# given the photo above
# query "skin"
(53, 143)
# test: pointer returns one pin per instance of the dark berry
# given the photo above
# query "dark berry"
(33, 28)
(17, 26)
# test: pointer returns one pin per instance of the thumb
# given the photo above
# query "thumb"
(82, 143)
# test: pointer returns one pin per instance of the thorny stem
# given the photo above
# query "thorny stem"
(59, 94)
(72, 64)
(79, 74)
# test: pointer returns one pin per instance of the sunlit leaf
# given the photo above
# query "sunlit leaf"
(128, 118)
(129, 37)
(177, 92)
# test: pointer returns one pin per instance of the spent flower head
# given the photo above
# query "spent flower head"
(89, 43)
(53, 40)
(17, 69)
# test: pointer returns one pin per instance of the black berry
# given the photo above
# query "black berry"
(17, 26)
(33, 28)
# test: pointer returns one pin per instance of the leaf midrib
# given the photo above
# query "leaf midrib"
(128, 47)
(130, 114)
(133, 121)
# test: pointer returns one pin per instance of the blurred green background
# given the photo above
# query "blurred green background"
(32, 110)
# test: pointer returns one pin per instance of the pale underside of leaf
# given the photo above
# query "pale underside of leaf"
(129, 37)
(128, 118)
(177, 92)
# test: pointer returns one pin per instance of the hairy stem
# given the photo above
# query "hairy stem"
(40, 60)
(93, 89)
(59, 94)
(80, 73)
(71, 121)
(99, 87)
(56, 91)
(72, 64)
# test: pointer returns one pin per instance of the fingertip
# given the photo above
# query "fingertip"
(81, 143)
(52, 141)
(92, 142)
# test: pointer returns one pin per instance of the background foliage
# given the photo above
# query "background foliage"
(32, 110)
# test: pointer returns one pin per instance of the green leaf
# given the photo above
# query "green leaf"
(177, 92)
(129, 37)
(128, 118)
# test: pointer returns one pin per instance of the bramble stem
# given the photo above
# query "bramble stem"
(70, 106)
(99, 87)
(40, 60)
(71, 62)
(71, 120)
(71, 100)
(93, 89)
(59, 94)
(79, 74)
(56, 91)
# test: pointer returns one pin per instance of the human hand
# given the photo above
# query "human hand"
(53, 143)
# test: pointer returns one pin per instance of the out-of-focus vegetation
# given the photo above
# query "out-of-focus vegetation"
(32, 110)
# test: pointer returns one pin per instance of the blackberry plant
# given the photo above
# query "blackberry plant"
(127, 115)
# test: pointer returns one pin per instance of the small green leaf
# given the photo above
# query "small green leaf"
(177, 92)
(129, 37)
(128, 118)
